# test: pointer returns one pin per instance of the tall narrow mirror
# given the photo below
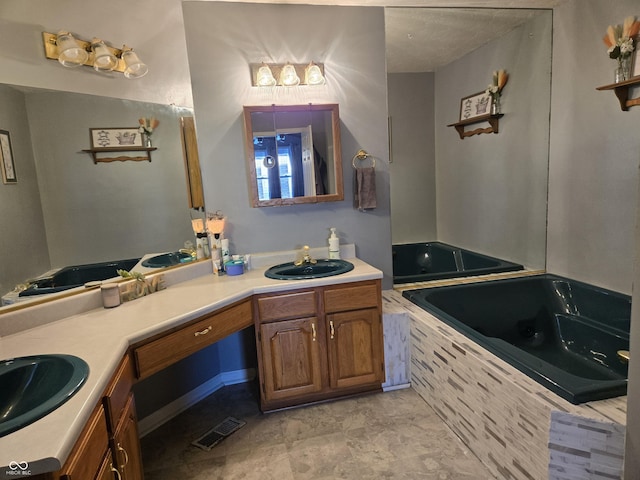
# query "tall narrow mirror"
(293, 154)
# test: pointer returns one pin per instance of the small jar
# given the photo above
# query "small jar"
(110, 295)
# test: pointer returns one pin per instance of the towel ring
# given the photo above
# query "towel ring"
(362, 155)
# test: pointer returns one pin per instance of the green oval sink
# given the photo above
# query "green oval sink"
(31, 387)
(320, 269)
(167, 260)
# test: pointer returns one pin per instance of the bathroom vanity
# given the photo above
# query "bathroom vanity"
(319, 343)
(334, 323)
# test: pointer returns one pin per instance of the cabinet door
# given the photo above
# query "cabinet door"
(291, 358)
(107, 471)
(88, 453)
(126, 444)
(355, 348)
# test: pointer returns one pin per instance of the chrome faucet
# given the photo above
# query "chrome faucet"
(306, 258)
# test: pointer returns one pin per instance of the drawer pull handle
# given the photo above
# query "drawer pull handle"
(313, 330)
(126, 456)
(332, 330)
(203, 332)
(116, 473)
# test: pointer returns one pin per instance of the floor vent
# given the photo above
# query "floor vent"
(218, 433)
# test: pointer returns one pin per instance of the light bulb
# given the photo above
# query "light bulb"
(288, 76)
(313, 75)
(264, 77)
(70, 53)
(134, 68)
(104, 60)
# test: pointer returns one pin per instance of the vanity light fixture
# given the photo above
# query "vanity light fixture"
(286, 75)
(73, 52)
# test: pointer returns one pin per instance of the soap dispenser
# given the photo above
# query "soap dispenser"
(334, 245)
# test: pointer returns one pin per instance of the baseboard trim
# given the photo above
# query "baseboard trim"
(149, 423)
(391, 388)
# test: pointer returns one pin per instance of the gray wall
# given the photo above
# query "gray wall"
(23, 243)
(222, 40)
(107, 211)
(66, 210)
(492, 188)
(413, 167)
(594, 152)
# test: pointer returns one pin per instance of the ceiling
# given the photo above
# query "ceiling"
(424, 39)
(423, 35)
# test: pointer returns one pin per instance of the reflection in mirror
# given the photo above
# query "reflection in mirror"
(486, 193)
(65, 210)
(293, 154)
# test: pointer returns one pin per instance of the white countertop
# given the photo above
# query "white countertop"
(101, 337)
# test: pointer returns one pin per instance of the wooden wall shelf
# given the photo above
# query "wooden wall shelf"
(122, 158)
(492, 128)
(621, 89)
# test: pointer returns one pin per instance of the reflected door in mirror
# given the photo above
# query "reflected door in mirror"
(293, 154)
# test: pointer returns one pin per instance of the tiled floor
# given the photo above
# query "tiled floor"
(393, 435)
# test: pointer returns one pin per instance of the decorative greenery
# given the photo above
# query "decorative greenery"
(131, 275)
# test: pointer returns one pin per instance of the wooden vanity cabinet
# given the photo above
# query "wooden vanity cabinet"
(89, 454)
(320, 343)
(122, 423)
(107, 471)
(90, 450)
(125, 444)
(291, 347)
(157, 353)
(355, 346)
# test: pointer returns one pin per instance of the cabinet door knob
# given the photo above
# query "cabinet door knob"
(332, 329)
(313, 330)
(203, 332)
(126, 456)
(116, 473)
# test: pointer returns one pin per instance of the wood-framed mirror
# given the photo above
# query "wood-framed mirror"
(293, 154)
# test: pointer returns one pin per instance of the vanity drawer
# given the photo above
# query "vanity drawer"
(168, 349)
(289, 305)
(351, 298)
(115, 397)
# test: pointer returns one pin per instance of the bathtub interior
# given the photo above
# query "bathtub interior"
(435, 260)
(562, 333)
(77, 275)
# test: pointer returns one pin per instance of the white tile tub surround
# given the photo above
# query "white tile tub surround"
(518, 428)
(397, 348)
(581, 448)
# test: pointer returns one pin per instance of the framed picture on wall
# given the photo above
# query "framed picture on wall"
(115, 138)
(635, 64)
(6, 154)
(475, 105)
